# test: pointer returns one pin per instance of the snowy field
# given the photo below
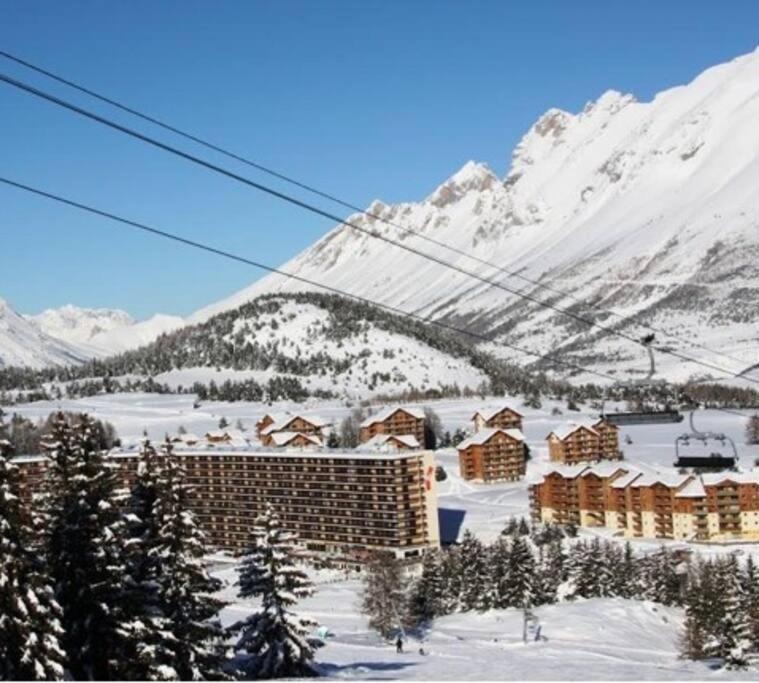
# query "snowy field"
(599, 639)
(594, 639)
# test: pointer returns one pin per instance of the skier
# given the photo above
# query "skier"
(399, 645)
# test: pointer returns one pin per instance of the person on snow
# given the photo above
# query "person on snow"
(399, 645)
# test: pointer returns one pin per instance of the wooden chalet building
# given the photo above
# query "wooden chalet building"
(396, 421)
(383, 442)
(493, 455)
(577, 443)
(310, 428)
(342, 505)
(497, 418)
(711, 507)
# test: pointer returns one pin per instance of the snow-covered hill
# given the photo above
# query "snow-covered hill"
(647, 209)
(23, 343)
(101, 332)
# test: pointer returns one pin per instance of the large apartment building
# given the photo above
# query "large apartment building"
(396, 421)
(341, 504)
(579, 442)
(493, 455)
(497, 418)
(715, 507)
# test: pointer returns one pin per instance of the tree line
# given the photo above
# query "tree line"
(529, 566)
(98, 582)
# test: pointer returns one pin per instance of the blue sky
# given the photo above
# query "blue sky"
(363, 99)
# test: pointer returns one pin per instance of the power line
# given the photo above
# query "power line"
(262, 266)
(330, 197)
(333, 217)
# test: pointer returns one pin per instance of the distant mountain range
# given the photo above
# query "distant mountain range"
(647, 209)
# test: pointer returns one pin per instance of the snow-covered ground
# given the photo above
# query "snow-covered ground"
(585, 640)
(599, 639)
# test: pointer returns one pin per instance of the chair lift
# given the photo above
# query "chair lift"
(716, 459)
(641, 417)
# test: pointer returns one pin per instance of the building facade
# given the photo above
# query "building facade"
(396, 421)
(342, 505)
(497, 418)
(584, 443)
(493, 455)
(710, 507)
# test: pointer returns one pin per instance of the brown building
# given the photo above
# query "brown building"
(397, 421)
(576, 443)
(291, 440)
(497, 418)
(272, 423)
(383, 442)
(339, 504)
(493, 455)
(714, 507)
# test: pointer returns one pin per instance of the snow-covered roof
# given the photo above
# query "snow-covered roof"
(384, 441)
(217, 434)
(693, 489)
(490, 413)
(283, 420)
(284, 438)
(716, 478)
(566, 471)
(189, 437)
(671, 479)
(485, 435)
(605, 469)
(564, 430)
(382, 416)
(626, 479)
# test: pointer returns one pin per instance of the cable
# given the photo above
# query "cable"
(271, 269)
(326, 214)
(343, 203)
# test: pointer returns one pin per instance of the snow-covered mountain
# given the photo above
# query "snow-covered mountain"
(97, 333)
(23, 343)
(646, 209)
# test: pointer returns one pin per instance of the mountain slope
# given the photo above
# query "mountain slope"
(97, 333)
(643, 208)
(24, 344)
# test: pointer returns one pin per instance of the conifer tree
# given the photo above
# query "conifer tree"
(499, 573)
(273, 641)
(427, 599)
(84, 537)
(30, 628)
(731, 640)
(184, 586)
(474, 573)
(452, 579)
(384, 594)
(520, 576)
(151, 643)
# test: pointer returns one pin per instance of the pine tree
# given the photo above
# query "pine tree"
(732, 633)
(384, 594)
(499, 572)
(84, 538)
(184, 586)
(452, 579)
(30, 628)
(474, 573)
(427, 599)
(273, 641)
(750, 583)
(520, 575)
(151, 643)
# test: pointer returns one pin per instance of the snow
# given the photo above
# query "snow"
(598, 639)
(643, 208)
(101, 332)
(23, 343)
(484, 435)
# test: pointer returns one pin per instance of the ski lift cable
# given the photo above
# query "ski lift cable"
(326, 214)
(341, 202)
